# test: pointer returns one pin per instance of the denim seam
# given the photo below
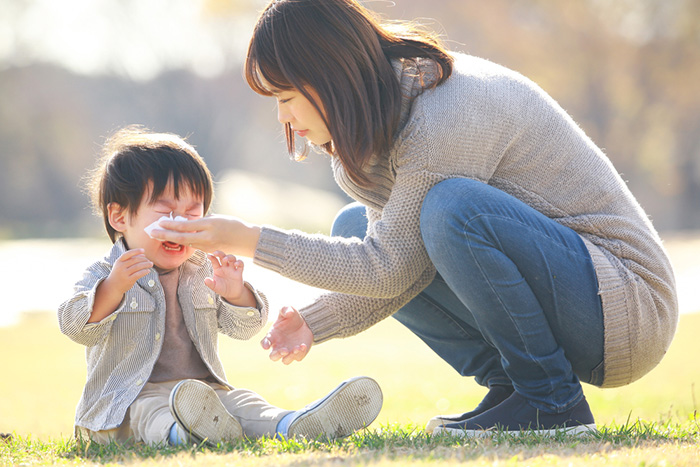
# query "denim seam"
(488, 281)
(448, 317)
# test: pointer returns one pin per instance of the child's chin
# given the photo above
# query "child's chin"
(172, 263)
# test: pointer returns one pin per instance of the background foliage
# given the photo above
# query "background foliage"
(627, 71)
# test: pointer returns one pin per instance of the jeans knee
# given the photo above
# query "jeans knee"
(351, 221)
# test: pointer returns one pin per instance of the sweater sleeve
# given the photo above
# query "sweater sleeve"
(385, 264)
(338, 315)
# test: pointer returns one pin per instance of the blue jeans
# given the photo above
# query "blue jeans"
(515, 299)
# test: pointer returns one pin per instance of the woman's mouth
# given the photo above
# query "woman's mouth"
(170, 246)
(302, 133)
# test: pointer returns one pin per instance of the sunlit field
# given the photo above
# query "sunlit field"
(43, 373)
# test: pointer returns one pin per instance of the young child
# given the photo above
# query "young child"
(150, 311)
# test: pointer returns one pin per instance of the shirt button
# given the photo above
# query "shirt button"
(151, 283)
(113, 317)
(133, 304)
(157, 336)
(210, 299)
(251, 313)
(139, 382)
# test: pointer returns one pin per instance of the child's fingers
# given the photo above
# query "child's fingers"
(215, 261)
(222, 258)
(138, 270)
(139, 274)
(231, 261)
(136, 265)
(131, 253)
(133, 261)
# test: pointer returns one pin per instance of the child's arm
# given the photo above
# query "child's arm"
(227, 280)
(242, 310)
(130, 267)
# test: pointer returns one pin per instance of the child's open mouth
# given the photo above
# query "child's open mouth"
(170, 246)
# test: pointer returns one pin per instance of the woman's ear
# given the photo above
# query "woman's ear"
(118, 217)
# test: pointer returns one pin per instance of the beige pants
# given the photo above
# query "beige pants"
(148, 419)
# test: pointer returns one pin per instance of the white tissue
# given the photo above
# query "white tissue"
(155, 225)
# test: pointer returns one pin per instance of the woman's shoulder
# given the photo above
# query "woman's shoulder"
(477, 89)
(480, 92)
(479, 68)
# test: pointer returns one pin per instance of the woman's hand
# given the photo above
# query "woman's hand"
(210, 234)
(289, 338)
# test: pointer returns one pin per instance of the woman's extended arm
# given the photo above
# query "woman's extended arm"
(229, 234)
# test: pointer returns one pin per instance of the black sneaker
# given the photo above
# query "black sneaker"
(495, 396)
(515, 415)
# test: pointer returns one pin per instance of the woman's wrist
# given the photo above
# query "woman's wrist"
(250, 240)
(233, 235)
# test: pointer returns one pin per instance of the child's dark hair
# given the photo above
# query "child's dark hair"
(342, 51)
(133, 157)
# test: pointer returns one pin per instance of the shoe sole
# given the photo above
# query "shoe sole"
(435, 422)
(572, 430)
(353, 405)
(199, 411)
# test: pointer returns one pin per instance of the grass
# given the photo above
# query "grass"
(641, 443)
(652, 422)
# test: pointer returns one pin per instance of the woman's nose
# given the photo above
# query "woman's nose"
(282, 115)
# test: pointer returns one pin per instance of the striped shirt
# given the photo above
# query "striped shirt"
(122, 349)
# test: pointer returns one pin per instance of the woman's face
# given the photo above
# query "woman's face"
(300, 113)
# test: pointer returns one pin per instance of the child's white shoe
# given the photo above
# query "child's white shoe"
(199, 411)
(350, 407)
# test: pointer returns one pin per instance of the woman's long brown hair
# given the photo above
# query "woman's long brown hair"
(340, 49)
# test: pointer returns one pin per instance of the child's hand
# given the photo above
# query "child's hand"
(227, 279)
(290, 337)
(130, 267)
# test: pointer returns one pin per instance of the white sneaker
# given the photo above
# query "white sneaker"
(199, 411)
(350, 407)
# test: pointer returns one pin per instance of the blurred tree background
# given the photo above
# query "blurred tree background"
(72, 72)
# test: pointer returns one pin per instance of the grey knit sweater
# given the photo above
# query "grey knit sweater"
(491, 124)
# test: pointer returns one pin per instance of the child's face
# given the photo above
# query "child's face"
(164, 255)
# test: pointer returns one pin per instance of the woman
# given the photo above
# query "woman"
(487, 222)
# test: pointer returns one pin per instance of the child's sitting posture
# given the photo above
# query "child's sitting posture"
(150, 311)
